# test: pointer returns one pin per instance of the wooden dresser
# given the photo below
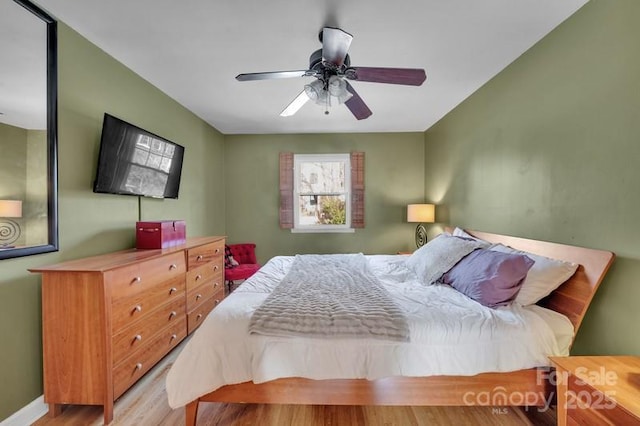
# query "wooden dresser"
(598, 390)
(106, 320)
(204, 282)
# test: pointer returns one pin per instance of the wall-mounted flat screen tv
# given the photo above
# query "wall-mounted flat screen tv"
(133, 161)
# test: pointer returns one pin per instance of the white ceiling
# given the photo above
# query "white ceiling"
(23, 68)
(192, 50)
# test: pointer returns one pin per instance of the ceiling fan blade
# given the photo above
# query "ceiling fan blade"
(407, 76)
(335, 45)
(295, 105)
(356, 105)
(273, 75)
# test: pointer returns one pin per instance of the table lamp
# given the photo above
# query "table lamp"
(9, 229)
(421, 213)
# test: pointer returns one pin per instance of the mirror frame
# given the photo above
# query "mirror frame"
(52, 137)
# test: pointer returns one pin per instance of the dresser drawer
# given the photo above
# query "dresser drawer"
(207, 272)
(135, 279)
(195, 317)
(204, 291)
(135, 336)
(128, 310)
(212, 252)
(133, 367)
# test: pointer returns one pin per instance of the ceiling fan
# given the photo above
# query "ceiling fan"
(331, 66)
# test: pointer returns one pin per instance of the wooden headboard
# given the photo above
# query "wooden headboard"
(574, 296)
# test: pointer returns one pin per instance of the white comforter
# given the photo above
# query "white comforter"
(450, 334)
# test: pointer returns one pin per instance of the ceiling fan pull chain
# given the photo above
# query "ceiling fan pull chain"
(326, 110)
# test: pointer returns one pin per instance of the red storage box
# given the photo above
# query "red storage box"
(160, 234)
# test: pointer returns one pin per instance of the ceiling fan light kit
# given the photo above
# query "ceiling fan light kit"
(338, 88)
(315, 91)
(331, 66)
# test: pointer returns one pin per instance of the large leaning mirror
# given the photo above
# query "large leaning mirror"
(28, 130)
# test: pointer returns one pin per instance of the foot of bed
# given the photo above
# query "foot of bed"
(191, 413)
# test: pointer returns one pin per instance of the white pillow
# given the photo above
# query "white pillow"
(459, 232)
(545, 275)
(439, 255)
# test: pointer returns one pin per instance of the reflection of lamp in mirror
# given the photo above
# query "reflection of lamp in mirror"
(9, 229)
(421, 213)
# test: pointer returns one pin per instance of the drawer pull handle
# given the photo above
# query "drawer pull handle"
(136, 280)
(198, 277)
(172, 314)
(172, 290)
(198, 296)
(173, 337)
(215, 268)
(217, 301)
(198, 317)
(199, 258)
(139, 366)
(173, 266)
(215, 285)
(137, 308)
(137, 338)
(217, 250)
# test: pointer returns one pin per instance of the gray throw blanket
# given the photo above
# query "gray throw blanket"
(330, 296)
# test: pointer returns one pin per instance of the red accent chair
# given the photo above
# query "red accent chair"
(245, 255)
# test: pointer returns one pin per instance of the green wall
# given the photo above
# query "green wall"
(549, 149)
(13, 145)
(23, 170)
(13, 168)
(394, 175)
(91, 83)
(34, 207)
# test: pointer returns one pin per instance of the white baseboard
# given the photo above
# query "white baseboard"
(28, 414)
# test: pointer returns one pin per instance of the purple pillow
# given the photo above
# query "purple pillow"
(489, 277)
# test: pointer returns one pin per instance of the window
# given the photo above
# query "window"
(322, 192)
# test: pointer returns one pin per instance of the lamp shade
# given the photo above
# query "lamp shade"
(315, 91)
(338, 88)
(422, 213)
(10, 208)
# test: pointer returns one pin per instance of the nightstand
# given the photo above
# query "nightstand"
(598, 390)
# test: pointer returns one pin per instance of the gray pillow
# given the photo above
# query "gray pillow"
(439, 255)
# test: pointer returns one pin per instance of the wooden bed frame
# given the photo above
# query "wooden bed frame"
(529, 387)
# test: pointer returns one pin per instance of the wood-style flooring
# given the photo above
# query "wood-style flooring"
(146, 404)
